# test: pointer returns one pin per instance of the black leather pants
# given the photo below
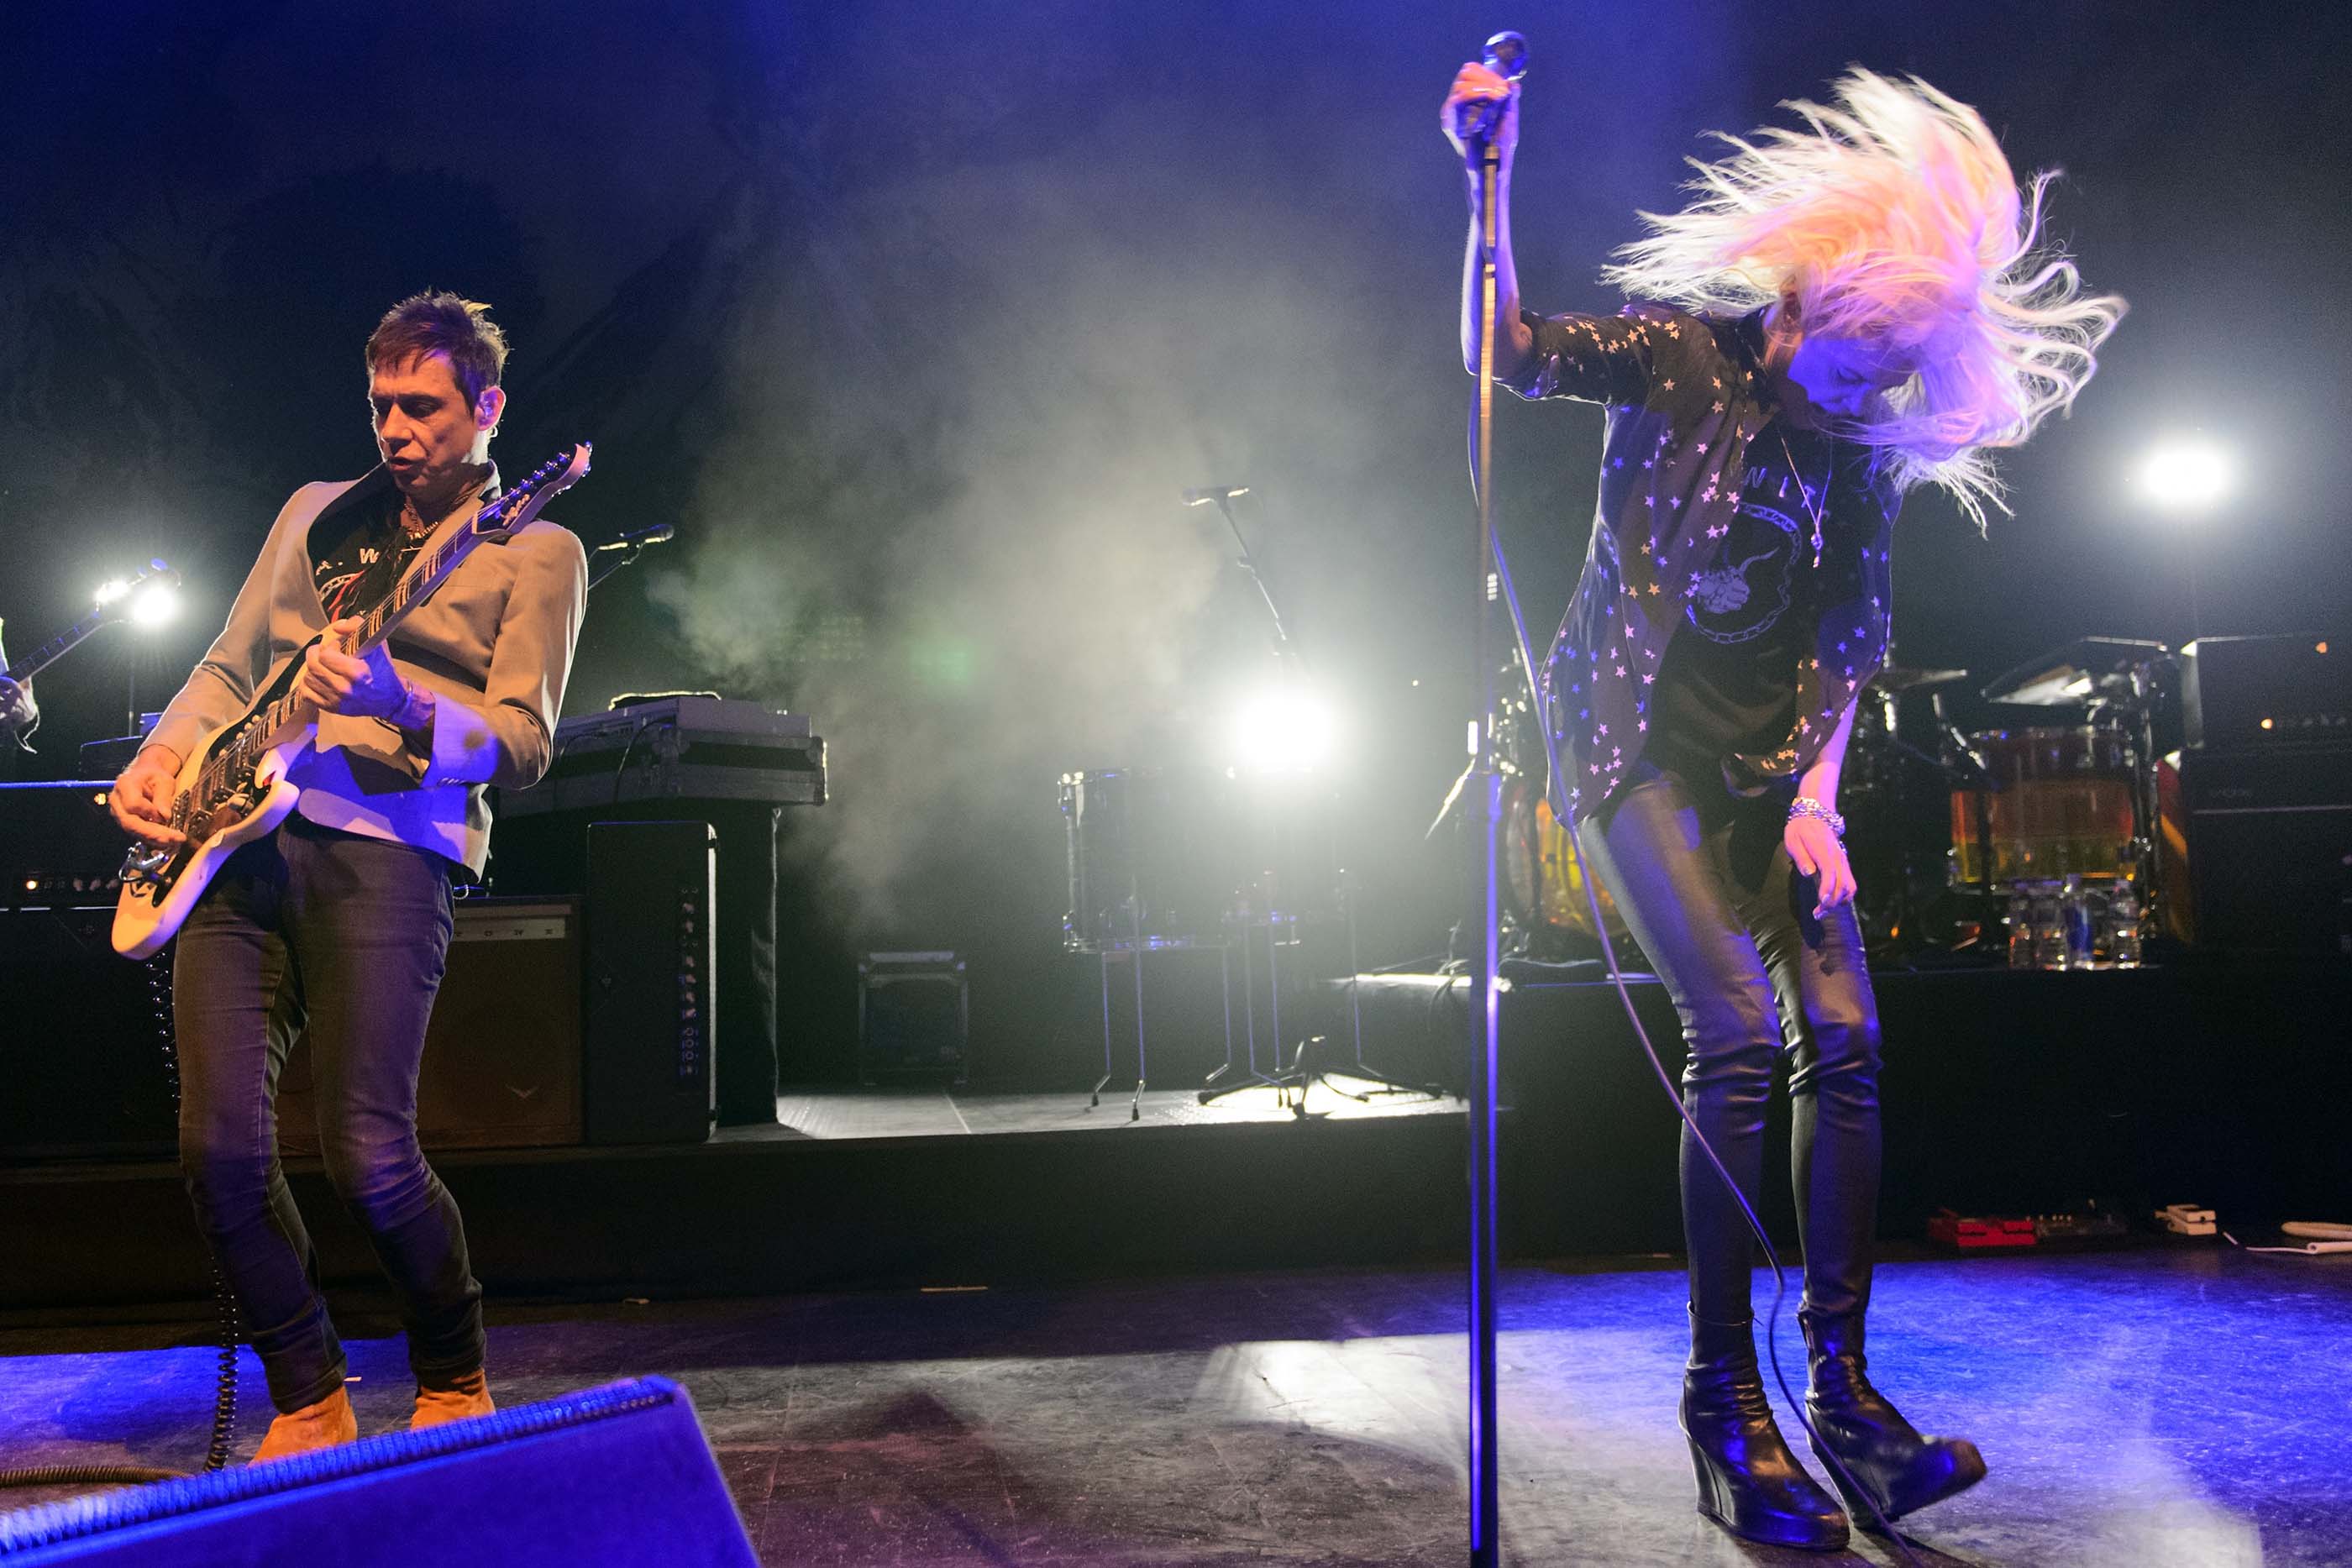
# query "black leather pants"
(1725, 922)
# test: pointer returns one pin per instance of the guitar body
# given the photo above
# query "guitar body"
(155, 904)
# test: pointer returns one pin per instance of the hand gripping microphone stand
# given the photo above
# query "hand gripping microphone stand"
(1507, 54)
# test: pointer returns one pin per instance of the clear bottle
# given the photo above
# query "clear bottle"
(2123, 927)
(2075, 911)
(2020, 921)
(2049, 927)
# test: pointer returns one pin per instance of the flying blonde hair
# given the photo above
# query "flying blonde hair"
(1894, 217)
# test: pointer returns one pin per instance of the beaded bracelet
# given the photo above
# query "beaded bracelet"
(1806, 806)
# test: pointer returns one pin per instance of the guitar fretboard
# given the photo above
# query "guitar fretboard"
(55, 648)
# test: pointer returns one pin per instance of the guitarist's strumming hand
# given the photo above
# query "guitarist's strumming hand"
(141, 799)
(363, 686)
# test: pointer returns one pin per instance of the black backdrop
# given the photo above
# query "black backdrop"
(914, 318)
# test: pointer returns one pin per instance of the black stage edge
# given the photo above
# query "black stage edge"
(783, 1214)
(2013, 1093)
(2005, 1093)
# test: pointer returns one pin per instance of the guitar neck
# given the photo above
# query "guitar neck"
(419, 583)
(57, 647)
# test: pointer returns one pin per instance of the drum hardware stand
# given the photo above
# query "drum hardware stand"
(1960, 763)
(1307, 1073)
(1134, 955)
(1301, 1074)
(1238, 934)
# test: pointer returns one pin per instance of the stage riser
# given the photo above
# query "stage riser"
(781, 1217)
(2003, 1092)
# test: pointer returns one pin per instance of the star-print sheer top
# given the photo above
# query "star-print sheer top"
(1688, 419)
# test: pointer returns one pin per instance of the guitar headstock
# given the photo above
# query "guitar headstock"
(524, 501)
(130, 598)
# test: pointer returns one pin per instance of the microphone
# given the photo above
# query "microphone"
(659, 534)
(1506, 55)
(1205, 494)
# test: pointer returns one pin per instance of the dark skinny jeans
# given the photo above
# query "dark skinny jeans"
(1710, 893)
(344, 936)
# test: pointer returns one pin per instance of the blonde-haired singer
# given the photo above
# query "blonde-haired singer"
(1845, 310)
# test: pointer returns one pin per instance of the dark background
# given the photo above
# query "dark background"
(914, 319)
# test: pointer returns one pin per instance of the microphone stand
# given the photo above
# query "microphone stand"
(620, 553)
(1282, 642)
(1300, 1072)
(1217, 1084)
(1484, 869)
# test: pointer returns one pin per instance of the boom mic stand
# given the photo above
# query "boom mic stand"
(1301, 1072)
(624, 551)
(1507, 54)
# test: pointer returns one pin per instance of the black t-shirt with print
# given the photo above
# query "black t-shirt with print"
(1728, 683)
(360, 557)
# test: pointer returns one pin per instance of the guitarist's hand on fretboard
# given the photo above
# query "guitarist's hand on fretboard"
(361, 685)
(16, 708)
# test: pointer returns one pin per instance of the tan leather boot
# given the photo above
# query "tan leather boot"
(451, 1401)
(310, 1429)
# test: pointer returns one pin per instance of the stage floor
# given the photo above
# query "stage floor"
(2173, 1405)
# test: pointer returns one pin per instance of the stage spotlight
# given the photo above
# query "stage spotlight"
(1284, 731)
(112, 588)
(2187, 475)
(157, 604)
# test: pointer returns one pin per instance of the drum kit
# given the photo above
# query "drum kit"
(2040, 845)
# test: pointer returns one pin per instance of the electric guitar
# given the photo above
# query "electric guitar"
(117, 602)
(233, 788)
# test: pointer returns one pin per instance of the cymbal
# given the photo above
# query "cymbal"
(1896, 679)
(2087, 670)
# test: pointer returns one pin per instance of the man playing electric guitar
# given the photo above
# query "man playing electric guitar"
(338, 919)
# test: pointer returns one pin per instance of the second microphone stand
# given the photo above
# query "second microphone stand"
(1304, 1069)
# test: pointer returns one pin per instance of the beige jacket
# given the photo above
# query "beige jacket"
(494, 644)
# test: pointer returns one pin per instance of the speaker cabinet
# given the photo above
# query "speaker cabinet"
(501, 1065)
(2270, 849)
(652, 955)
(612, 1476)
(85, 1058)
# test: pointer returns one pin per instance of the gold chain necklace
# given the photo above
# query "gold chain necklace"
(412, 523)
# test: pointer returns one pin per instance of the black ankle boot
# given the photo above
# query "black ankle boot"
(1885, 1457)
(1748, 1482)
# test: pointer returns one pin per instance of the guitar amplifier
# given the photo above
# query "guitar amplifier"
(2265, 691)
(86, 1066)
(2270, 848)
(59, 848)
(648, 1074)
(503, 1056)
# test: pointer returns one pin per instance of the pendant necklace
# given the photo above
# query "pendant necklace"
(1811, 510)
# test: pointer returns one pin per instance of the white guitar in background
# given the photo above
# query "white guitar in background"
(234, 786)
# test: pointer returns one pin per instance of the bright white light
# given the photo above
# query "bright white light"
(112, 588)
(1283, 732)
(2187, 475)
(157, 603)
